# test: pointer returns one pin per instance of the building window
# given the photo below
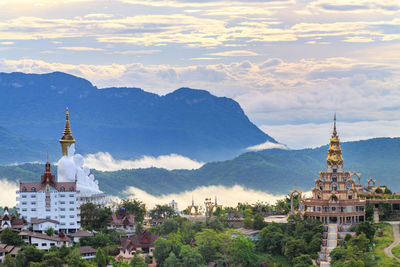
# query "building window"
(71, 189)
(33, 189)
(334, 170)
(48, 210)
(52, 244)
(71, 195)
(23, 209)
(62, 189)
(71, 209)
(71, 216)
(62, 223)
(62, 216)
(23, 196)
(71, 223)
(47, 197)
(48, 217)
(62, 195)
(62, 202)
(24, 189)
(44, 244)
(350, 197)
(71, 202)
(33, 209)
(23, 203)
(33, 203)
(33, 196)
(62, 209)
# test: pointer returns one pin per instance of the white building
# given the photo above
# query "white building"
(43, 241)
(49, 199)
(41, 225)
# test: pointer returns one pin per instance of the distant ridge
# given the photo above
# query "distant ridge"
(127, 122)
(274, 170)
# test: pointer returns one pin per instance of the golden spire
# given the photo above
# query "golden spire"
(335, 151)
(67, 138)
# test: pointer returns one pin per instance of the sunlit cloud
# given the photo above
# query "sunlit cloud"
(224, 196)
(234, 53)
(266, 145)
(80, 48)
(8, 193)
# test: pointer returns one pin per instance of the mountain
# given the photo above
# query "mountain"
(274, 171)
(127, 122)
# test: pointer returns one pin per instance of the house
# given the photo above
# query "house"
(143, 242)
(41, 225)
(43, 241)
(87, 252)
(81, 233)
(7, 221)
(8, 249)
(123, 221)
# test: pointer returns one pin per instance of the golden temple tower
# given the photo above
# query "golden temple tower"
(335, 151)
(67, 138)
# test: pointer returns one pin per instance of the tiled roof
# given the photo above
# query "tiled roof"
(4, 248)
(87, 250)
(39, 221)
(143, 240)
(121, 218)
(44, 236)
(36, 187)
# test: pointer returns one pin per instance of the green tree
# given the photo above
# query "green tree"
(94, 217)
(248, 222)
(169, 226)
(162, 249)
(32, 254)
(190, 256)
(50, 231)
(100, 258)
(258, 222)
(270, 239)
(10, 237)
(172, 261)
(135, 207)
(367, 228)
(241, 252)
(208, 243)
(137, 262)
(74, 258)
(302, 261)
(294, 248)
(162, 212)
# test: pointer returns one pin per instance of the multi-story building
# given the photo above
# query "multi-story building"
(49, 199)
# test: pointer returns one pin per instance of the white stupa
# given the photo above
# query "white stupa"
(70, 168)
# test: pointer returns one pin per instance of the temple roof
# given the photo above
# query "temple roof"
(335, 151)
(67, 137)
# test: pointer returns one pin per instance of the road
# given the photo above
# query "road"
(396, 241)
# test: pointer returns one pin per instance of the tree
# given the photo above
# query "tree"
(172, 261)
(169, 226)
(162, 212)
(10, 237)
(367, 228)
(74, 258)
(241, 252)
(137, 262)
(208, 243)
(259, 222)
(135, 207)
(215, 224)
(294, 247)
(32, 254)
(100, 258)
(270, 239)
(50, 231)
(248, 222)
(302, 261)
(190, 256)
(162, 249)
(94, 217)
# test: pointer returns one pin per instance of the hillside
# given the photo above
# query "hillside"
(127, 122)
(274, 171)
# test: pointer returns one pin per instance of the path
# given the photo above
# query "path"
(396, 241)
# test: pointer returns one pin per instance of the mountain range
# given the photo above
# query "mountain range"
(126, 122)
(275, 171)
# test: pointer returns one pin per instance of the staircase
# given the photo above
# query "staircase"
(328, 245)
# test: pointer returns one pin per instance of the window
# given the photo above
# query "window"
(23, 209)
(71, 202)
(35, 244)
(23, 196)
(33, 196)
(62, 202)
(33, 203)
(350, 197)
(62, 209)
(62, 189)
(48, 210)
(23, 203)
(71, 189)
(62, 195)
(71, 195)
(47, 197)
(63, 223)
(33, 189)
(24, 189)
(71, 216)
(62, 216)
(334, 170)
(33, 209)
(44, 244)
(71, 223)
(71, 209)
(48, 217)
(52, 244)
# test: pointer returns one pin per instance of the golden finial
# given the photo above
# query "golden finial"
(334, 125)
(67, 138)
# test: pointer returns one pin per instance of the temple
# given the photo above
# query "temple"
(71, 169)
(335, 197)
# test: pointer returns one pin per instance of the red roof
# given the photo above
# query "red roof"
(35, 187)
(87, 250)
(143, 240)
(121, 218)
(39, 221)
(81, 233)
(44, 236)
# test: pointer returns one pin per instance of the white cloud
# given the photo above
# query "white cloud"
(234, 53)
(227, 196)
(313, 135)
(266, 145)
(103, 161)
(80, 48)
(8, 193)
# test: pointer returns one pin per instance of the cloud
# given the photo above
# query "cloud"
(358, 39)
(234, 53)
(8, 193)
(80, 48)
(226, 196)
(307, 135)
(103, 161)
(266, 145)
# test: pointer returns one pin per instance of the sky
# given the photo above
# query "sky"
(290, 64)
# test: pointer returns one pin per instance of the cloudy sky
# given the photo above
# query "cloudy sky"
(290, 64)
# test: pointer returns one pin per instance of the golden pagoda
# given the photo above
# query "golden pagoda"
(67, 138)
(335, 152)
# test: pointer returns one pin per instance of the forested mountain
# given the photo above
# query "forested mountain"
(127, 122)
(274, 170)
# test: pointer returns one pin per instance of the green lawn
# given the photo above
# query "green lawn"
(381, 243)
